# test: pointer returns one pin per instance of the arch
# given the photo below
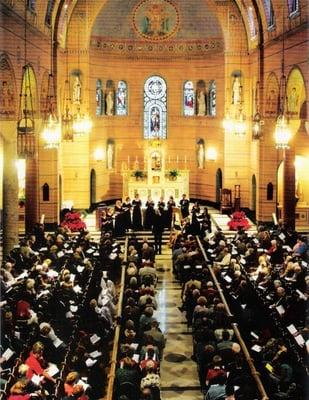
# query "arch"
(45, 192)
(253, 193)
(7, 89)
(155, 108)
(218, 185)
(122, 98)
(272, 96)
(188, 99)
(295, 93)
(93, 183)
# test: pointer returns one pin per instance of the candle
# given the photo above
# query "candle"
(185, 159)
(169, 159)
(177, 159)
(128, 161)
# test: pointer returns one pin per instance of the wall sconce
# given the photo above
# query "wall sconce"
(98, 155)
(211, 154)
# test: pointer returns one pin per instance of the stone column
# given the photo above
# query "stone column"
(10, 196)
(289, 202)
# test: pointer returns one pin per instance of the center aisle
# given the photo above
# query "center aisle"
(179, 378)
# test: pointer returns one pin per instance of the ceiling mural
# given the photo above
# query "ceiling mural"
(158, 28)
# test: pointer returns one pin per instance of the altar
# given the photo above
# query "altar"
(156, 179)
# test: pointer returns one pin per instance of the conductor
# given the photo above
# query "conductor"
(157, 230)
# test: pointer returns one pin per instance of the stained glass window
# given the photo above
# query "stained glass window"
(155, 112)
(212, 98)
(251, 23)
(188, 98)
(49, 12)
(121, 98)
(31, 5)
(99, 98)
(269, 12)
(293, 6)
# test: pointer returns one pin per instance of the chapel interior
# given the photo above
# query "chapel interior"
(101, 100)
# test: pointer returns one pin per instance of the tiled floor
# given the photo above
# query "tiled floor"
(179, 379)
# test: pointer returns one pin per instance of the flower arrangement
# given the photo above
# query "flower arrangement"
(72, 221)
(238, 220)
(138, 174)
(173, 173)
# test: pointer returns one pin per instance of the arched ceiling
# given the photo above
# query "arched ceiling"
(92, 10)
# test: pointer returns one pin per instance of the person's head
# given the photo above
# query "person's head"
(71, 378)
(280, 291)
(217, 361)
(78, 390)
(45, 329)
(150, 366)
(22, 370)
(18, 388)
(154, 324)
(225, 335)
(148, 312)
(37, 349)
(201, 301)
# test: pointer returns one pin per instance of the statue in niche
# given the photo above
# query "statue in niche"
(110, 155)
(77, 89)
(236, 91)
(293, 101)
(272, 102)
(200, 154)
(110, 102)
(6, 99)
(201, 103)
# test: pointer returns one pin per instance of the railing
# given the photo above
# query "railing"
(112, 373)
(255, 374)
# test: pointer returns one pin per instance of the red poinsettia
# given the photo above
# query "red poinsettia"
(73, 222)
(238, 220)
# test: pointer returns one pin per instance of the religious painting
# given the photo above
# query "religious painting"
(156, 163)
(295, 93)
(272, 96)
(155, 108)
(121, 98)
(7, 92)
(156, 19)
(188, 99)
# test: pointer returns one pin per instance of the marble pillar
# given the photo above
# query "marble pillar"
(10, 196)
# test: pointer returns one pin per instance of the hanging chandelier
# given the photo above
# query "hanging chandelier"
(257, 122)
(240, 124)
(66, 115)
(82, 124)
(228, 123)
(25, 122)
(52, 131)
(282, 131)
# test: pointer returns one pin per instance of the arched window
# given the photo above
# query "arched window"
(155, 113)
(270, 191)
(269, 12)
(293, 7)
(45, 190)
(201, 99)
(212, 99)
(99, 98)
(188, 98)
(31, 5)
(122, 98)
(110, 98)
(49, 12)
(251, 23)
